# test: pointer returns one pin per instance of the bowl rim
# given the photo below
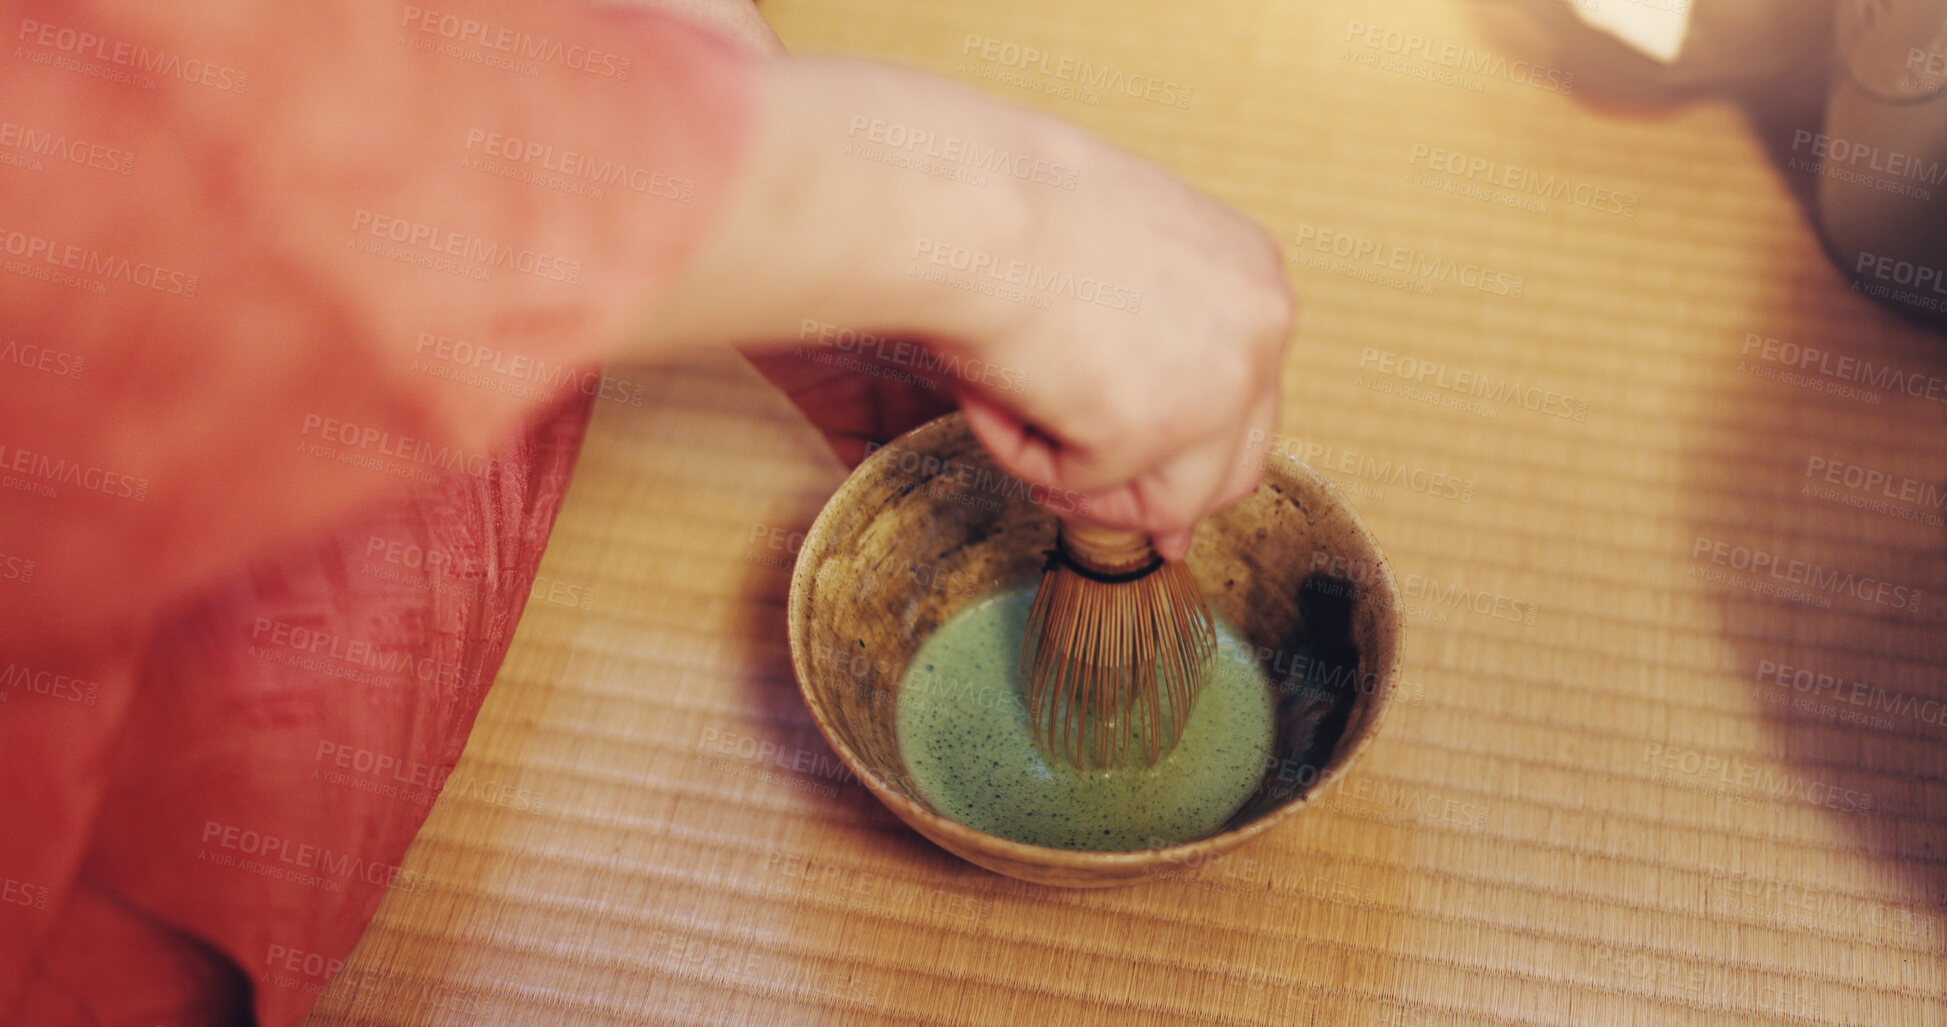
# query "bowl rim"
(818, 538)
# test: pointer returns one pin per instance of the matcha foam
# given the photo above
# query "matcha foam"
(964, 730)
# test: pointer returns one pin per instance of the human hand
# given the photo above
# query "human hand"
(1143, 323)
(1143, 389)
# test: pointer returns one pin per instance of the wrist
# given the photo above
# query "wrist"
(957, 225)
(832, 223)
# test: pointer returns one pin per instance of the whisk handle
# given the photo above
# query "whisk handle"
(1106, 551)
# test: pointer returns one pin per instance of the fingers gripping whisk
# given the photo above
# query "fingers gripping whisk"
(1117, 647)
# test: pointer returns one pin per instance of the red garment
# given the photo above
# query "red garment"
(299, 306)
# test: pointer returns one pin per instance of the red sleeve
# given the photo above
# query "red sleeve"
(291, 295)
(261, 262)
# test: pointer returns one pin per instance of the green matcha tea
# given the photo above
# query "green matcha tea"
(964, 731)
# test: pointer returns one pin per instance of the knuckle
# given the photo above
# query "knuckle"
(1165, 510)
(1284, 307)
(1280, 299)
(1242, 488)
(1169, 520)
(1277, 309)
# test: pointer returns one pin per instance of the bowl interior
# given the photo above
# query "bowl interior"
(928, 525)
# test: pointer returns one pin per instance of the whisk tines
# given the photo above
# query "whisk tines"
(1117, 646)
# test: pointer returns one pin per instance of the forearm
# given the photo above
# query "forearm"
(817, 231)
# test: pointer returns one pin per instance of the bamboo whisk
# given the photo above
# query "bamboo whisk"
(1118, 644)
